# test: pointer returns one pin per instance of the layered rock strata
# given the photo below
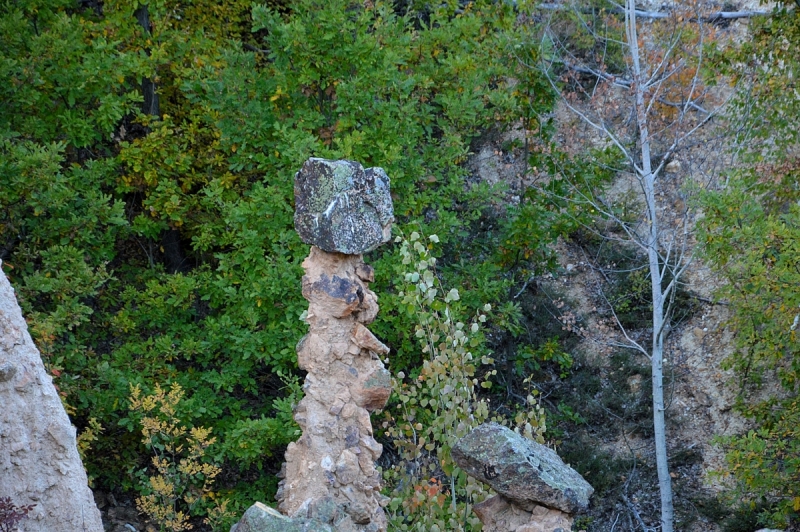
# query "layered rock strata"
(537, 491)
(39, 461)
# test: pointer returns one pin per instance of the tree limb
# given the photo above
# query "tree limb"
(715, 17)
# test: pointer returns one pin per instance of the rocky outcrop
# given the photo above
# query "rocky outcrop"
(537, 492)
(335, 457)
(340, 207)
(39, 461)
(329, 478)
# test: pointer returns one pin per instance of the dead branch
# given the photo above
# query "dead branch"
(710, 18)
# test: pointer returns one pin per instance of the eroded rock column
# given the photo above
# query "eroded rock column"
(343, 211)
(39, 461)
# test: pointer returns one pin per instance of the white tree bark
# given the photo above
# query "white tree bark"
(649, 70)
(39, 461)
(648, 178)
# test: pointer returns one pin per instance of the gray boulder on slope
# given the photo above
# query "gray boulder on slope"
(521, 470)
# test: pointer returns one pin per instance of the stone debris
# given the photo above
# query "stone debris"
(499, 514)
(341, 207)
(537, 492)
(39, 461)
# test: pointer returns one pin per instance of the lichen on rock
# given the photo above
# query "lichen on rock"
(520, 469)
(341, 207)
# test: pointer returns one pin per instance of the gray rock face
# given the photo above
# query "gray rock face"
(262, 518)
(39, 461)
(341, 207)
(521, 470)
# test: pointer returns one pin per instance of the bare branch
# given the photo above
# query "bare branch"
(715, 17)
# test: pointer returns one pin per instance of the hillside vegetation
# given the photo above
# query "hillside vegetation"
(147, 155)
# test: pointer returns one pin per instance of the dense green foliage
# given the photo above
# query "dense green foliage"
(155, 251)
(752, 237)
(159, 249)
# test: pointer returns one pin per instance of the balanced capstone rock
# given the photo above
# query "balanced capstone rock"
(342, 208)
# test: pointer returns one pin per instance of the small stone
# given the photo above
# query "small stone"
(359, 513)
(349, 410)
(7, 371)
(673, 167)
(351, 436)
(337, 295)
(347, 467)
(336, 409)
(373, 446)
(341, 207)
(373, 392)
(325, 510)
(364, 338)
(365, 272)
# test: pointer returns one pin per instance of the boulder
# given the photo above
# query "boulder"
(39, 461)
(262, 518)
(342, 208)
(521, 470)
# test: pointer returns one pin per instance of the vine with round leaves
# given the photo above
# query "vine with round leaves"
(439, 404)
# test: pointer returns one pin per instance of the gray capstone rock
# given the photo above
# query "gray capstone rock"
(262, 518)
(341, 207)
(520, 469)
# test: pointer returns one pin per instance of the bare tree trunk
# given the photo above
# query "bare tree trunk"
(150, 103)
(651, 79)
(170, 239)
(647, 179)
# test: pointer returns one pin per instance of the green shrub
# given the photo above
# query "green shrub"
(151, 249)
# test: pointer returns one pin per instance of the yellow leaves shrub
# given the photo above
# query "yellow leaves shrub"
(181, 480)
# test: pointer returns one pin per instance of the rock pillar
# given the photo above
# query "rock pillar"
(330, 475)
(39, 461)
